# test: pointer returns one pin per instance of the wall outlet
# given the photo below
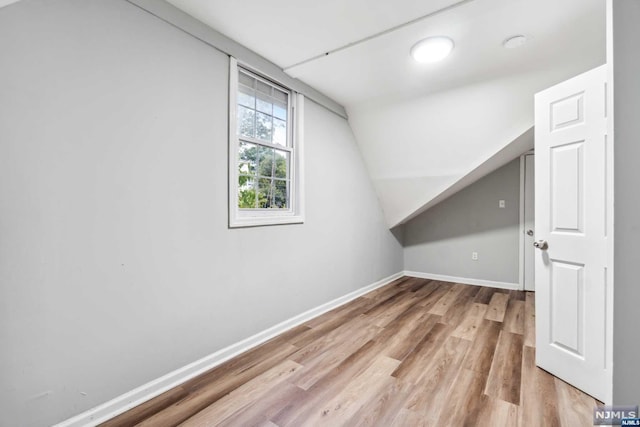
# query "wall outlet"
(502, 204)
(474, 256)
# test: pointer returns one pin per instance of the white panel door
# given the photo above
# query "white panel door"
(571, 232)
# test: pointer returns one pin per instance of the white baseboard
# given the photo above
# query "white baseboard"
(464, 280)
(148, 391)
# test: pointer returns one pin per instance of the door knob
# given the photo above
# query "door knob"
(529, 232)
(541, 244)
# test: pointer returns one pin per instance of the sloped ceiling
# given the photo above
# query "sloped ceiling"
(438, 139)
(422, 129)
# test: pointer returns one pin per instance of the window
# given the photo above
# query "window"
(265, 146)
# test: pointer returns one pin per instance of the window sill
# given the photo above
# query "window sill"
(258, 221)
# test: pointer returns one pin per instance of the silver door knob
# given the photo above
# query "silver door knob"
(541, 244)
(529, 232)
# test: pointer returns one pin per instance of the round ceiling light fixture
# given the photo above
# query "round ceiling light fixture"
(432, 49)
(514, 42)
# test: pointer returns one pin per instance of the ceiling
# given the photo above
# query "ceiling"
(423, 129)
(290, 32)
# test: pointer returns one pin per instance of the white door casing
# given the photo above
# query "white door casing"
(571, 216)
(528, 222)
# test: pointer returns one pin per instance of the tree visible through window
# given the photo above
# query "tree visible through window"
(264, 149)
(262, 166)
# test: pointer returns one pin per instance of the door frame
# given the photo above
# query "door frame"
(521, 239)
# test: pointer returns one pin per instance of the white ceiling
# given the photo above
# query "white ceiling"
(382, 67)
(420, 126)
(288, 32)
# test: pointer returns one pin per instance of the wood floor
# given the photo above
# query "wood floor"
(413, 353)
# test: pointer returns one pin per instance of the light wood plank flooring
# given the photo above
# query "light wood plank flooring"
(413, 353)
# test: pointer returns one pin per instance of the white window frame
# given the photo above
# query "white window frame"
(294, 214)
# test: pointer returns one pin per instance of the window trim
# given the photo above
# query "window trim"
(260, 217)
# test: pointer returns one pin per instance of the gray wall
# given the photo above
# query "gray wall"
(441, 240)
(116, 263)
(626, 60)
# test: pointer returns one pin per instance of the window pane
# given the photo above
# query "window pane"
(263, 127)
(281, 169)
(246, 121)
(247, 159)
(247, 80)
(270, 163)
(265, 193)
(264, 87)
(247, 97)
(272, 193)
(266, 164)
(264, 104)
(282, 193)
(280, 95)
(273, 174)
(280, 110)
(279, 132)
(246, 192)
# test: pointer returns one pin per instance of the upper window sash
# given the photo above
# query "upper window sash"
(264, 109)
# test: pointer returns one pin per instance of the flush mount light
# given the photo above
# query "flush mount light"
(514, 41)
(432, 49)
